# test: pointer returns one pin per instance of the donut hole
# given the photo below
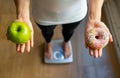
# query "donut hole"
(97, 37)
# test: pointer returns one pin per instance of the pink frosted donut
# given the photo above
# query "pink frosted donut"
(97, 38)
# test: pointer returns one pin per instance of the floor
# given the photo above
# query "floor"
(112, 12)
(31, 65)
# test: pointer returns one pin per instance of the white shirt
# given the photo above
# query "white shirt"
(51, 12)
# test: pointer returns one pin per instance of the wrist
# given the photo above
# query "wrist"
(23, 16)
(94, 17)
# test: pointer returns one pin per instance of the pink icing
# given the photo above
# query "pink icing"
(97, 38)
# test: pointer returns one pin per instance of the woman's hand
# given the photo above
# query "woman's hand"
(26, 46)
(91, 24)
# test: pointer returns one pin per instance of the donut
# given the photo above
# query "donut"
(97, 38)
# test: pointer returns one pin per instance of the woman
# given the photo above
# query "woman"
(48, 13)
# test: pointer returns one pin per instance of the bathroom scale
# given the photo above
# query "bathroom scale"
(58, 54)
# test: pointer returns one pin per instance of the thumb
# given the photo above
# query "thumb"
(32, 41)
(110, 38)
(86, 45)
(85, 40)
(7, 36)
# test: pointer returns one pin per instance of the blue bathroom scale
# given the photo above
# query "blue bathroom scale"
(58, 54)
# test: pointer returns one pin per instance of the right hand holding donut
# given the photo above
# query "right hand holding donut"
(97, 36)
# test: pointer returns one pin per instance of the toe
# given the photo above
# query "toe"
(67, 54)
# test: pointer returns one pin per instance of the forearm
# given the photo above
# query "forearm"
(22, 9)
(95, 8)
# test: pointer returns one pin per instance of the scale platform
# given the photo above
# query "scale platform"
(58, 54)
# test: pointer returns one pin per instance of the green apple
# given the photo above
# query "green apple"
(18, 32)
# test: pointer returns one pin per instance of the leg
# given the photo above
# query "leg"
(67, 31)
(47, 32)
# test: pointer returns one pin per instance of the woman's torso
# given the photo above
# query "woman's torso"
(48, 12)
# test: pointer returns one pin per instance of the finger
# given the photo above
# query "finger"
(110, 38)
(32, 40)
(7, 36)
(86, 45)
(28, 46)
(90, 52)
(22, 48)
(100, 52)
(18, 47)
(32, 35)
(95, 53)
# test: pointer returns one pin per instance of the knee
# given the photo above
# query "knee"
(68, 31)
(47, 32)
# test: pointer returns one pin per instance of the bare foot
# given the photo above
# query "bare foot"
(66, 49)
(48, 50)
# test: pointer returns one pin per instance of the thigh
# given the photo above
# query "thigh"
(71, 26)
(46, 28)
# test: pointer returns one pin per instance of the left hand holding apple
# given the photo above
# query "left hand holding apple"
(26, 46)
(21, 35)
(23, 15)
(92, 25)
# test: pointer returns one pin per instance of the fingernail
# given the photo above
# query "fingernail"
(28, 51)
(22, 52)
(95, 57)
(99, 56)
